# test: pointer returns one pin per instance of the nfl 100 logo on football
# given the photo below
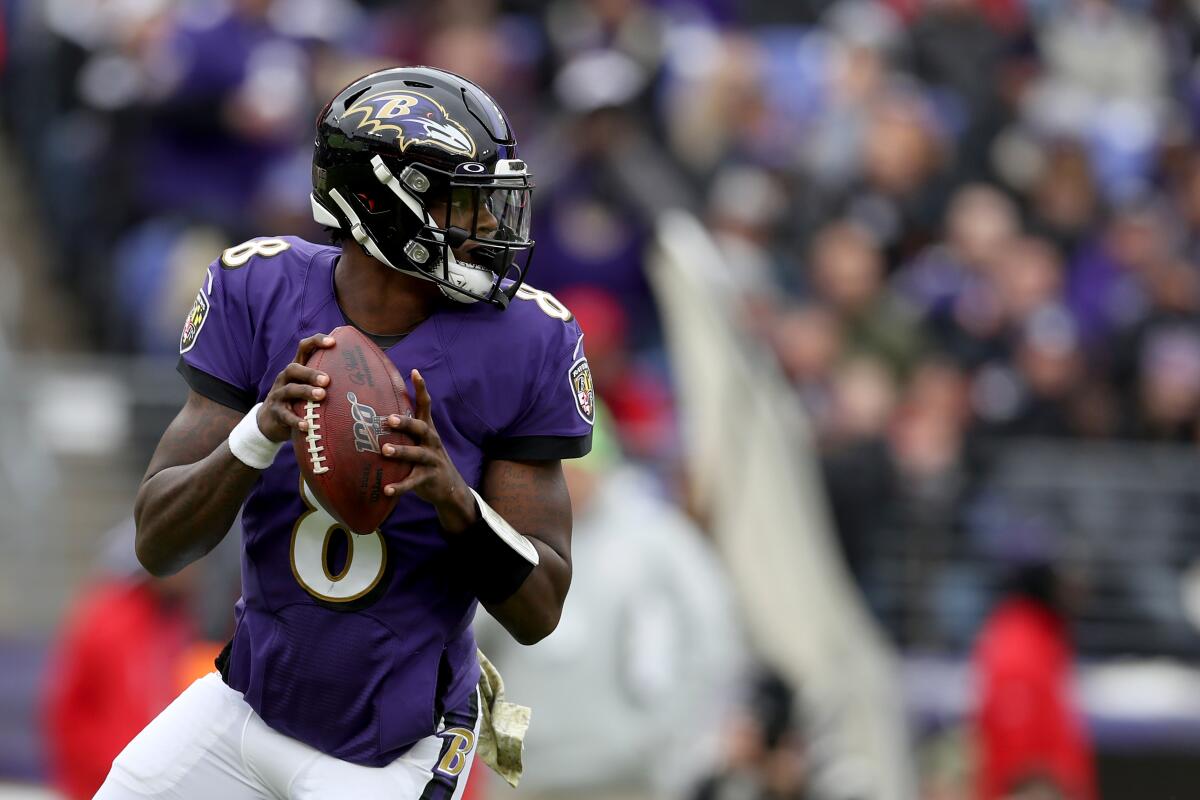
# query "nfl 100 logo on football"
(367, 426)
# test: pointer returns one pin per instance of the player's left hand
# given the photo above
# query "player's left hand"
(434, 478)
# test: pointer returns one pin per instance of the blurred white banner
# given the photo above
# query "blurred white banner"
(753, 469)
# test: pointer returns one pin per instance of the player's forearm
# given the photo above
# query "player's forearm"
(183, 512)
(532, 498)
(532, 612)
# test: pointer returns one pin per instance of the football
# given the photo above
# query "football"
(339, 454)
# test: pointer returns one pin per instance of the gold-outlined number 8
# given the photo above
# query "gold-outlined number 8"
(547, 302)
(366, 555)
(238, 255)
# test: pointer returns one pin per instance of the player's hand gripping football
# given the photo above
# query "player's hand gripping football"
(434, 478)
(295, 382)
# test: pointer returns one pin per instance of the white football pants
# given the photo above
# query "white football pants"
(210, 744)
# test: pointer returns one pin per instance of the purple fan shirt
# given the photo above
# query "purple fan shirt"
(357, 645)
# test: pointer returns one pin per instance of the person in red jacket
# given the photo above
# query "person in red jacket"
(1027, 724)
(127, 650)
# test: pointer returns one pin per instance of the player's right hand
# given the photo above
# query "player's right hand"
(296, 382)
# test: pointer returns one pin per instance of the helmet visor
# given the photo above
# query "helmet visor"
(511, 210)
(496, 213)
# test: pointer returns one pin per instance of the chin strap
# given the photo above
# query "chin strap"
(464, 276)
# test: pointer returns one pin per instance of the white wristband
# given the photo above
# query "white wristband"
(507, 533)
(248, 443)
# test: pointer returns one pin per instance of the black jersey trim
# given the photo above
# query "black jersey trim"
(221, 662)
(382, 341)
(539, 448)
(214, 388)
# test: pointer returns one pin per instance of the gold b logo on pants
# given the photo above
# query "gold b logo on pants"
(459, 742)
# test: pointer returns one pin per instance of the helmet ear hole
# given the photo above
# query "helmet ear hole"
(375, 204)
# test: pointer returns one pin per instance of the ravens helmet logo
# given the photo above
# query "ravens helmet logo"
(415, 118)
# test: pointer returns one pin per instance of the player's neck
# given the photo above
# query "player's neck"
(378, 298)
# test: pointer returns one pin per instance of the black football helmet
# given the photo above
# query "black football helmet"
(416, 162)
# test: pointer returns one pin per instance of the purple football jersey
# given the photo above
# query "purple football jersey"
(357, 644)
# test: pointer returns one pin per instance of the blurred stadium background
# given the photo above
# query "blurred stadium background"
(889, 301)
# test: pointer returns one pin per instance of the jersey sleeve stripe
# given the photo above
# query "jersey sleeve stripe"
(214, 388)
(538, 448)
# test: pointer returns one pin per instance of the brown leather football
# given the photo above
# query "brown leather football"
(339, 454)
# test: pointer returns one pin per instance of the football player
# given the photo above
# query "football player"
(352, 671)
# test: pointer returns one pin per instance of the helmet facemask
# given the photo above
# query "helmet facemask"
(424, 214)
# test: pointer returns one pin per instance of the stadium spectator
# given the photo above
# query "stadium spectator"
(1027, 722)
(847, 274)
(1035, 788)
(808, 341)
(231, 99)
(1063, 198)
(764, 756)
(634, 392)
(959, 53)
(129, 647)
(629, 690)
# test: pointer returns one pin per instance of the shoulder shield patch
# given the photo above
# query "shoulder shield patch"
(584, 392)
(194, 322)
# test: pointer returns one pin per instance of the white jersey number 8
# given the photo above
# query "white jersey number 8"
(366, 555)
(546, 302)
(238, 255)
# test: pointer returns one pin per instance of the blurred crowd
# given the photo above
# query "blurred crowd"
(952, 221)
(946, 217)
